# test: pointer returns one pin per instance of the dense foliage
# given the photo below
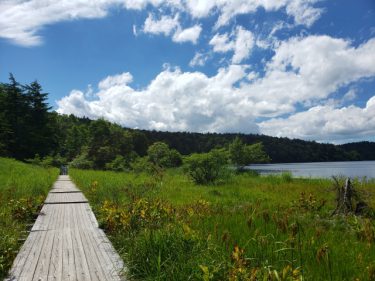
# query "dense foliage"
(25, 127)
(28, 129)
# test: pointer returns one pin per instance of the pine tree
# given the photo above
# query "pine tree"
(39, 130)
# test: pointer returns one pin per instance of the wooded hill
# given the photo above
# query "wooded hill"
(29, 128)
(281, 150)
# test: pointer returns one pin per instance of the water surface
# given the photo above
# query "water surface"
(320, 169)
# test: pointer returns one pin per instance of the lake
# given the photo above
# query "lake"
(320, 169)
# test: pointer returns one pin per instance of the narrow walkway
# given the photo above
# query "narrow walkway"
(65, 242)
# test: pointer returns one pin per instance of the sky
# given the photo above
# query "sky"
(287, 68)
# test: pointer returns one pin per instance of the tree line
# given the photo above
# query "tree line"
(30, 130)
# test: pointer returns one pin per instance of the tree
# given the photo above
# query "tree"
(99, 148)
(160, 154)
(140, 142)
(38, 127)
(242, 155)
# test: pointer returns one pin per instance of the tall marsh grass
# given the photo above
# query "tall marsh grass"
(248, 228)
(23, 189)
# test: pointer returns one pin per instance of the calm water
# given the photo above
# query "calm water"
(320, 169)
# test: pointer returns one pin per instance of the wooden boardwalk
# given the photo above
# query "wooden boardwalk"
(66, 243)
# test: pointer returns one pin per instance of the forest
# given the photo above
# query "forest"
(30, 130)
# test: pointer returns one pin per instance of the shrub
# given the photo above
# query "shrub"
(206, 168)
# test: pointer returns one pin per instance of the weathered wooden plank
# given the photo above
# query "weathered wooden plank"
(110, 261)
(66, 243)
(41, 270)
(89, 249)
(68, 262)
(92, 238)
(79, 254)
(33, 257)
(65, 198)
(55, 263)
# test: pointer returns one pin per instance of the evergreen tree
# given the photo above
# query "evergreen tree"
(38, 127)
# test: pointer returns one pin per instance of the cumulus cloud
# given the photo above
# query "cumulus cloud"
(199, 59)
(221, 43)
(240, 42)
(304, 71)
(116, 80)
(189, 34)
(174, 100)
(21, 21)
(325, 123)
(165, 25)
(303, 11)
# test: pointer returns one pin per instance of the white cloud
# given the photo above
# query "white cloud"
(174, 100)
(21, 21)
(189, 34)
(325, 123)
(303, 71)
(199, 59)
(165, 25)
(116, 80)
(240, 42)
(135, 30)
(303, 11)
(244, 44)
(221, 43)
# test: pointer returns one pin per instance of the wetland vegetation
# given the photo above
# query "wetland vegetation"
(244, 228)
(23, 189)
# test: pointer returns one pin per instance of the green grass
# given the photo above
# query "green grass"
(247, 228)
(23, 189)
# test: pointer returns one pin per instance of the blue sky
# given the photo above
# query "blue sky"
(295, 68)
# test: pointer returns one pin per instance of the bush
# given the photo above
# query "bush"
(207, 168)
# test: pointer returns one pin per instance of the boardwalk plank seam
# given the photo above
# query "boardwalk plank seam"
(65, 242)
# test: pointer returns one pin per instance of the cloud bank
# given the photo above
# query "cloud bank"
(304, 71)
